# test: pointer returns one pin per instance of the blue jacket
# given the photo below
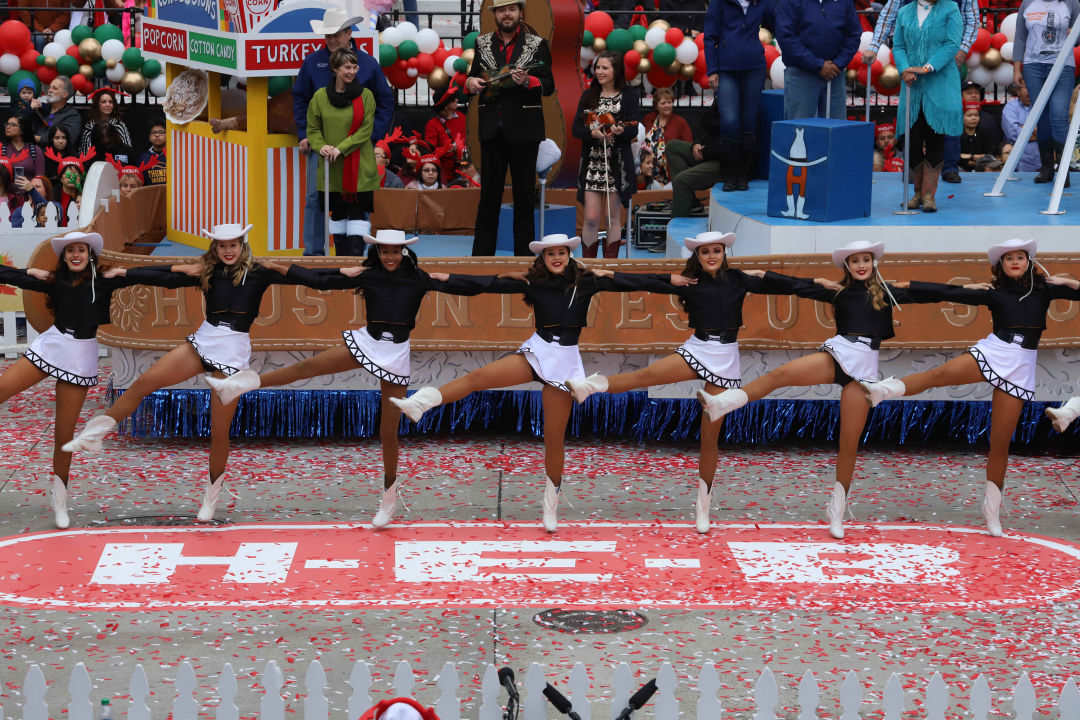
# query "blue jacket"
(315, 74)
(731, 35)
(810, 32)
(936, 42)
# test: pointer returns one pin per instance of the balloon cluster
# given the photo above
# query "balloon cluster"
(407, 53)
(662, 53)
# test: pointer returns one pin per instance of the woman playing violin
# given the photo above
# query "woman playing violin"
(606, 122)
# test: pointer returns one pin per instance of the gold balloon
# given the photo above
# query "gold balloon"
(660, 23)
(644, 66)
(765, 36)
(133, 82)
(599, 45)
(674, 68)
(642, 47)
(467, 55)
(50, 62)
(86, 71)
(991, 59)
(438, 79)
(90, 49)
(890, 77)
(110, 64)
(688, 71)
(851, 75)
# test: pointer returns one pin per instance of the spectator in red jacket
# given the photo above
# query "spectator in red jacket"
(446, 129)
(662, 126)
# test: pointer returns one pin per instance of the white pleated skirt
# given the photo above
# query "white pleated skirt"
(222, 348)
(714, 362)
(858, 360)
(553, 363)
(1006, 366)
(65, 358)
(385, 359)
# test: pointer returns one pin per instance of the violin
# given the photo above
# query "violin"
(501, 79)
(605, 122)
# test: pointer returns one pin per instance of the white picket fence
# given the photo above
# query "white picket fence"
(10, 346)
(664, 705)
(53, 220)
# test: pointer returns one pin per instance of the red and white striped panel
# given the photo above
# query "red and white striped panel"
(209, 182)
(285, 190)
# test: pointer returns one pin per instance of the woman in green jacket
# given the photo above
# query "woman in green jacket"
(340, 118)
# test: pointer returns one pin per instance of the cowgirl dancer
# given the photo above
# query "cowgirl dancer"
(1018, 298)
(714, 307)
(863, 320)
(393, 287)
(68, 350)
(233, 285)
(560, 290)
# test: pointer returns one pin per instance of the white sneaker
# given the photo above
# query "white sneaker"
(89, 440)
(59, 502)
(210, 499)
(419, 402)
(582, 389)
(835, 511)
(387, 506)
(703, 506)
(887, 389)
(551, 505)
(991, 509)
(1062, 417)
(717, 406)
(232, 387)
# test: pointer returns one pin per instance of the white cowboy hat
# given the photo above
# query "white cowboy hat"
(998, 251)
(92, 239)
(334, 21)
(547, 155)
(538, 246)
(840, 255)
(389, 237)
(708, 238)
(500, 3)
(228, 231)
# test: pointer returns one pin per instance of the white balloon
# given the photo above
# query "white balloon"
(448, 64)
(587, 56)
(392, 36)
(427, 40)
(9, 63)
(654, 36)
(1007, 52)
(776, 73)
(884, 54)
(112, 49)
(687, 51)
(64, 38)
(116, 74)
(53, 50)
(407, 31)
(158, 85)
(1003, 74)
(974, 60)
(1008, 27)
(981, 76)
(412, 72)
(864, 40)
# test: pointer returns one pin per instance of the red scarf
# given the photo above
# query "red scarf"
(350, 175)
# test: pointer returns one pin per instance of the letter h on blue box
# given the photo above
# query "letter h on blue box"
(820, 169)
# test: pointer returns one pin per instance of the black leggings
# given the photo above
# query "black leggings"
(922, 134)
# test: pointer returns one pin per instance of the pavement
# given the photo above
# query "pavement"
(915, 587)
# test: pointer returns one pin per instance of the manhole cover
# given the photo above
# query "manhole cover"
(591, 621)
(156, 521)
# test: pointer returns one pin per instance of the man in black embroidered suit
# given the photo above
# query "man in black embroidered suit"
(511, 122)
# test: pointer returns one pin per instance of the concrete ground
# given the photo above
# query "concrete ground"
(482, 482)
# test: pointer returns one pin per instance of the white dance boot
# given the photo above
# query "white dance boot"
(835, 511)
(232, 387)
(551, 505)
(419, 402)
(89, 440)
(59, 502)
(1063, 416)
(704, 504)
(582, 389)
(387, 506)
(717, 406)
(887, 389)
(210, 499)
(991, 509)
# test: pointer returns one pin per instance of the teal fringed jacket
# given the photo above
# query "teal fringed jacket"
(937, 93)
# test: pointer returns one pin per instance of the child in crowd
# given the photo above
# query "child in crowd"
(25, 96)
(430, 172)
(158, 172)
(40, 214)
(885, 158)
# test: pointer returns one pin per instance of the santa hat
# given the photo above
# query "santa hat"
(136, 170)
(972, 106)
(9, 162)
(63, 163)
(885, 127)
(399, 709)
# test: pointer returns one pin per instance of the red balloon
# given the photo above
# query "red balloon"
(46, 74)
(400, 65)
(73, 51)
(771, 53)
(982, 41)
(887, 91)
(440, 55)
(659, 77)
(399, 78)
(702, 80)
(631, 72)
(856, 62)
(599, 23)
(700, 40)
(82, 85)
(997, 40)
(631, 58)
(28, 59)
(413, 63)
(875, 73)
(674, 37)
(14, 36)
(456, 51)
(424, 63)
(700, 64)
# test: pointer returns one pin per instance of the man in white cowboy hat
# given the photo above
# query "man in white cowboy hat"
(336, 25)
(511, 121)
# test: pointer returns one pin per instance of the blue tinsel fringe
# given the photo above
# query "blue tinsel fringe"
(355, 413)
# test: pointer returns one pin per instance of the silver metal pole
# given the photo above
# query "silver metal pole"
(905, 88)
(1063, 167)
(326, 202)
(867, 93)
(1033, 117)
(828, 98)
(629, 219)
(543, 187)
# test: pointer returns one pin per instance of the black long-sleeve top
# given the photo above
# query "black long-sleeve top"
(79, 309)
(855, 313)
(1012, 315)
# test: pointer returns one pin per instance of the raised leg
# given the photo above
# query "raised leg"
(504, 372)
(668, 369)
(22, 375)
(179, 364)
(815, 369)
(335, 360)
(960, 370)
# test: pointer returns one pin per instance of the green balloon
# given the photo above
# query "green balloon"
(80, 33)
(387, 55)
(67, 65)
(469, 41)
(408, 49)
(662, 55)
(151, 69)
(461, 65)
(132, 59)
(278, 84)
(99, 68)
(620, 40)
(107, 32)
(40, 59)
(587, 39)
(17, 77)
(638, 31)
